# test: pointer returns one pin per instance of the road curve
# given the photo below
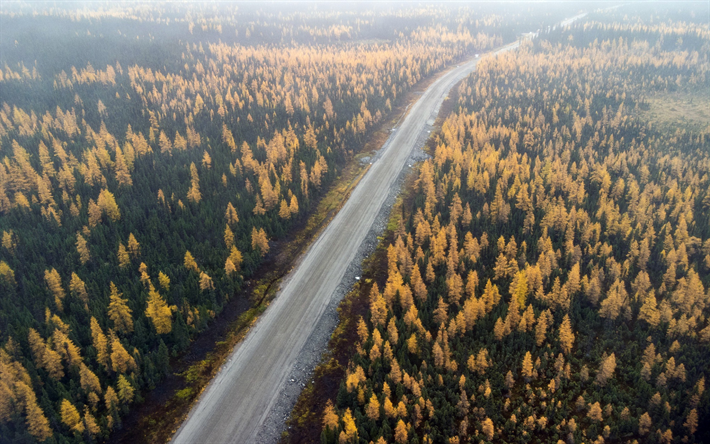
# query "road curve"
(236, 402)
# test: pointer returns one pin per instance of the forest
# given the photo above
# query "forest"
(149, 157)
(548, 278)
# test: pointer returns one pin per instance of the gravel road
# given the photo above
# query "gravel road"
(256, 388)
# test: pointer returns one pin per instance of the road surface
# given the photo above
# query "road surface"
(236, 403)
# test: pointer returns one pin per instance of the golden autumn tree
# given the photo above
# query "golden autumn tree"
(125, 390)
(118, 311)
(82, 248)
(527, 368)
(7, 274)
(133, 246)
(54, 282)
(231, 214)
(107, 204)
(259, 241)
(159, 312)
(37, 423)
(190, 263)
(349, 432)
(100, 343)
(44, 356)
(606, 370)
(164, 281)
(121, 361)
(78, 288)
(70, 416)
(566, 335)
(193, 194)
(330, 418)
(124, 259)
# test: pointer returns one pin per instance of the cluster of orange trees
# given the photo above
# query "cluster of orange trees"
(549, 280)
(147, 157)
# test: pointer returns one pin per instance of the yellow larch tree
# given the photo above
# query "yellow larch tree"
(44, 357)
(78, 288)
(190, 263)
(159, 312)
(107, 204)
(566, 335)
(231, 214)
(606, 370)
(206, 282)
(118, 311)
(259, 241)
(92, 428)
(7, 274)
(125, 390)
(88, 380)
(193, 194)
(124, 259)
(330, 418)
(66, 348)
(70, 416)
(527, 368)
(400, 433)
(54, 282)
(121, 361)
(37, 423)
(372, 410)
(228, 236)
(349, 432)
(123, 176)
(83, 249)
(133, 246)
(100, 343)
(236, 257)
(164, 281)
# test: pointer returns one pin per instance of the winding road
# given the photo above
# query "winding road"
(238, 400)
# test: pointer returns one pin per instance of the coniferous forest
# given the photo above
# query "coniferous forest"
(548, 273)
(549, 279)
(149, 156)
